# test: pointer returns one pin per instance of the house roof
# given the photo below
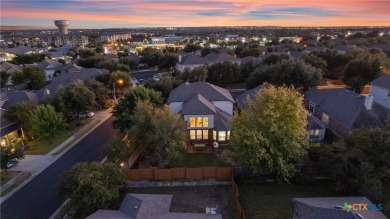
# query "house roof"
(198, 105)
(148, 206)
(20, 50)
(220, 57)
(192, 59)
(68, 78)
(324, 207)
(211, 92)
(314, 123)
(48, 63)
(347, 107)
(12, 97)
(133, 57)
(247, 59)
(382, 81)
(242, 99)
(221, 121)
(9, 67)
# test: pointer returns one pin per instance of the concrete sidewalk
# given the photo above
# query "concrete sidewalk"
(35, 164)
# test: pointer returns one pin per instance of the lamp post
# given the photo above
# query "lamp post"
(120, 82)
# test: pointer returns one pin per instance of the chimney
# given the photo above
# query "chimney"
(368, 102)
(47, 91)
(179, 58)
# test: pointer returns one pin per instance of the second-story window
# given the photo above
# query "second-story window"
(311, 107)
(199, 121)
(325, 118)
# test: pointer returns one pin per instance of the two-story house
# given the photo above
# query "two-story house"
(380, 90)
(343, 110)
(189, 61)
(207, 109)
(49, 67)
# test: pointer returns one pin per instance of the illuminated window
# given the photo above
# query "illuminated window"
(325, 118)
(221, 136)
(228, 135)
(192, 121)
(199, 122)
(192, 134)
(198, 134)
(205, 134)
(205, 122)
(214, 135)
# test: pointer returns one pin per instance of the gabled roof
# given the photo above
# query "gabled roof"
(382, 81)
(20, 50)
(185, 92)
(198, 105)
(325, 207)
(241, 100)
(66, 79)
(220, 57)
(314, 123)
(247, 59)
(221, 121)
(192, 60)
(9, 67)
(48, 63)
(347, 107)
(13, 97)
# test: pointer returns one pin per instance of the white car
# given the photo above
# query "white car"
(156, 77)
(86, 114)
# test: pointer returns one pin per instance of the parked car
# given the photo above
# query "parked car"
(86, 115)
(12, 163)
(156, 77)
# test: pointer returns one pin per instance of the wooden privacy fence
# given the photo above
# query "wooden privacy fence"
(240, 211)
(219, 173)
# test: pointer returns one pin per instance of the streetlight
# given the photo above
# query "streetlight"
(120, 82)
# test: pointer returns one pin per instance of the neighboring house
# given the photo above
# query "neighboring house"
(10, 130)
(10, 68)
(213, 58)
(148, 206)
(49, 67)
(133, 58)
(247, 59)
(190, 62)
(68, 78)
(380, 90)
(315, 128)
(333, 208)
(343, 110)
(23, 50)
(206, 108)
(111, 57)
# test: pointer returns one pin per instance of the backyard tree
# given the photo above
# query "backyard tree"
(197, 74)
(275, 58)
(9, 153)
(46, 122)
(223, 72)
(21, 113)
(123, 111)
(157, 133)
(17, 77)
(271, 134)
(101, 93)
(90, 186)
(35, 76)
(167, 61)
(121, 76)
(119, 149)
(80, 99)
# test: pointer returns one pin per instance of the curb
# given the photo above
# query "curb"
(3, 199)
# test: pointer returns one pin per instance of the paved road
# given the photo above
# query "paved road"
(145, 74)
(36, 199)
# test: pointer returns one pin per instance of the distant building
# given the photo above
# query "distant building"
(41, 40)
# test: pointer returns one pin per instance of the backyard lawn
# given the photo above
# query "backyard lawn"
(196, 199)
(192, 160)
(40, 146)
(272, 201)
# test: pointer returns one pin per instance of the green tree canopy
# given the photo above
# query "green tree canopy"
(35, 76)
(123, 111)
(271, 134)
(17, 77)
(361, 71)
(223, 72)
(167, 61)
(4, 76)
(101, 93)
(90, 186)
(80, 98)
(46, 122)
(9, 153)
(197, 74)
(21, 113)
(275, 58)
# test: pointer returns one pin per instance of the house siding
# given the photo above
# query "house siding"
(381, 95)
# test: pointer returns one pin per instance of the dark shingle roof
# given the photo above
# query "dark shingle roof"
(242, 99)
(347, 107)
(198, 105)
(211, 92)
(192, 60)
(220, 57)
(66, 79)
(382, 81)
(221, 121)
(16, 96)
(49, 63)
(247, 59)
(9, 67)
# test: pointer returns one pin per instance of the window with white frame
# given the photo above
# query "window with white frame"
(221, 136)
(199, 134)
(199, 122)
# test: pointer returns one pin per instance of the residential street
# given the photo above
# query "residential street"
(36, 199)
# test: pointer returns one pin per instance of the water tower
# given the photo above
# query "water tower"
(62, 26)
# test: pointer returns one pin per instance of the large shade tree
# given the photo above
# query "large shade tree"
(79, 98)
(271, 133)
(21, 113)
(46, 122)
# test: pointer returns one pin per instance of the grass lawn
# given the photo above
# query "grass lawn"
(272, 201)
(7, 177)
(40, 146)
(196, 199)
(201, 160)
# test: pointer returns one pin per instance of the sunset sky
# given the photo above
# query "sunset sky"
(168, 13)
